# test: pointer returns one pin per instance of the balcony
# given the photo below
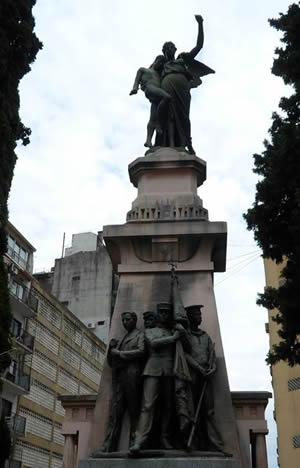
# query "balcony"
(18, 384)
(15, 464)
(21, 261)
(22, 300)
(23, 340)
(17, 424)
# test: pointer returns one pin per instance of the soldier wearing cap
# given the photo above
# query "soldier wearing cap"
(126, 358)
(158, 378)
(203, 364)
(150, 319)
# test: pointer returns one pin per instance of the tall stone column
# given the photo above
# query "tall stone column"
(261, 458)
(168, 224)
(69, 451)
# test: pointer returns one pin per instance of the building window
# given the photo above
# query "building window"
(294, 384)
(6, 408)
(17, 253)
(296, 441)
(17, 289)
(15, 327)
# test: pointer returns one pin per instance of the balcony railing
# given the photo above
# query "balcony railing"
(24, 339)
(16, 423)
(24, 295)
(22, 380)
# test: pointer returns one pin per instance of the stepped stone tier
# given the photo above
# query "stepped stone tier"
(167, 182)
(155, 236)
(162, 462)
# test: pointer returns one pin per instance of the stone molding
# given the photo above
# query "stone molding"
(167, 158)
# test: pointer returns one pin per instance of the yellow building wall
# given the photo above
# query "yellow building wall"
(286, 387)
(59, 336)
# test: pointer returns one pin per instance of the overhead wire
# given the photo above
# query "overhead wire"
(244, 260)
(243, 255)
(234, 271)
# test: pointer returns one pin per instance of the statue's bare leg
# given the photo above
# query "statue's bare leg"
(150, 131)
(151, 125)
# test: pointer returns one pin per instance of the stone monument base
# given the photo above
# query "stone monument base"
(159, 459)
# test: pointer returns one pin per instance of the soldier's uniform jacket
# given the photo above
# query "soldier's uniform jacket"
(201, 348)
(161, 359)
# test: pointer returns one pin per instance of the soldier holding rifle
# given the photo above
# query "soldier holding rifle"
(203, 364)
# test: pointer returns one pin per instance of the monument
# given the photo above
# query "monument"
(164, 398)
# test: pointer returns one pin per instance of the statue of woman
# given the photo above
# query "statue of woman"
(179, 75)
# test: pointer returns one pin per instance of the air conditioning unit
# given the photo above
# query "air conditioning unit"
(91, 325)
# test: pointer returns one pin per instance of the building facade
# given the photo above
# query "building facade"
(53, 353)
(17, 377)
(83, 281)
(286, 386)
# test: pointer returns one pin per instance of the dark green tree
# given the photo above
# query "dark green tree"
(275, 214)
(18, 48)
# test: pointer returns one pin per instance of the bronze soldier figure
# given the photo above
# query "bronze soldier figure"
(126, 360)
(158, 379)
(203, 364)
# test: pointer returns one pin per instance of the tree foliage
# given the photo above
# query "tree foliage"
(18, 48)
(275, 214)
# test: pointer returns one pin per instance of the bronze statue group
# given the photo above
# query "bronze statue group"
(167, 84)
(163, 378)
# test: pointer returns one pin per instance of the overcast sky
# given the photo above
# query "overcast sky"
(86, 129)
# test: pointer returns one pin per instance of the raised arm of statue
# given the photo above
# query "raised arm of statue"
(200, 38)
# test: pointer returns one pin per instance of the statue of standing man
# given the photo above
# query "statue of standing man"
(203, 365)
(158, 379)
(126, 360)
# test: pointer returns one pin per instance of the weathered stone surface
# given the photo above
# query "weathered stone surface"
(167, 158)
(165, 462)
(167, 182)
(201, 245)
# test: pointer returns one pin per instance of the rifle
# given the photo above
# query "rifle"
(195, 419)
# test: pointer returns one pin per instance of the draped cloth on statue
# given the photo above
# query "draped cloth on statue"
(178, 77)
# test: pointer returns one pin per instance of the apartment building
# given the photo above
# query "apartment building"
(16, 379)
(84, 281)
(53, 353)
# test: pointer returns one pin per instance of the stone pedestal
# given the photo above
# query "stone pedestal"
(167, 182)
(167, 223)
(179, 462)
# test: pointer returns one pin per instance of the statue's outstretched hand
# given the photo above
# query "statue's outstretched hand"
(133, 91)
(199, 18)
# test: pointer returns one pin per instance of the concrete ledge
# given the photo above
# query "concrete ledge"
(195, 228)
(180, 462)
